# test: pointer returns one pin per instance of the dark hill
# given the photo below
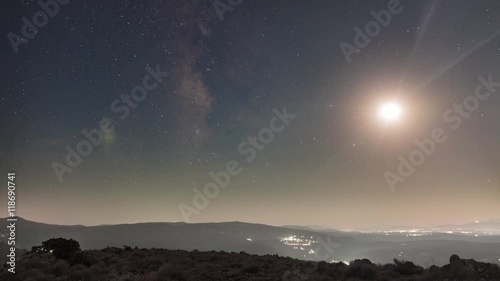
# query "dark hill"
(159, 264)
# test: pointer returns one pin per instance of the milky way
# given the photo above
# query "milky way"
(226, 75)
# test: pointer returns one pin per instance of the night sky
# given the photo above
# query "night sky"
(219, 82)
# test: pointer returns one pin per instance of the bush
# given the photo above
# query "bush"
(361, 270)
(170, 272)
(80, 272)
(79, 258)
(252, 269)
(405, 268)
(60, 268)
(152, 263)
(61, 248)
(98, 269)
(38, 262)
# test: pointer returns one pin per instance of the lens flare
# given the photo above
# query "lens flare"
(390, 111)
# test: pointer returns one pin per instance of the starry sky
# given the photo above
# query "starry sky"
(225, 77)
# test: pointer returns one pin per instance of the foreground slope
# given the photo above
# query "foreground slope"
(159, 264)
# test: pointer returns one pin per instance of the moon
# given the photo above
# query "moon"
(390, 111)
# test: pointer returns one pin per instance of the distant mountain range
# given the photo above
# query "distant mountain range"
(491, 227)
(292, 241)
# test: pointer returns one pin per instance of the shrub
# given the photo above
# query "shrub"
(252, 269)
(405, 268)
(235, 264)
(80, 272)
(322, 266)
(98, 269)
(80, 258)
(168, 271)
(60, 268)
(37, 262)
(153, 263)
(61, 248)
(361, 270)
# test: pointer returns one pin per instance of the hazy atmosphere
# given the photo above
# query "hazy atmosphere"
(250, 140)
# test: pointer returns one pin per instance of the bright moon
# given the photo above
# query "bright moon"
(390, 111)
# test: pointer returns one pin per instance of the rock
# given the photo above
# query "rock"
(455, 259)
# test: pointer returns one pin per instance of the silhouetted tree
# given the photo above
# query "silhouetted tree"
(61, 248)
